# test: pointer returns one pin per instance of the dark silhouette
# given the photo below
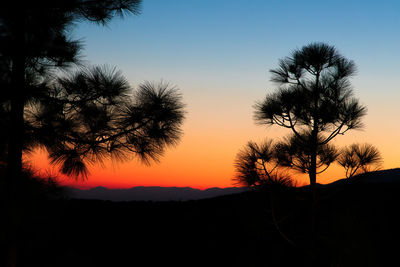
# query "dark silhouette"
(80, 118)
(359, 226)
(34, 186)
(357, 159)
(314, 101)
(92, 114)
(294, 152)
(150, 193)
(259, 165)
(35, 41)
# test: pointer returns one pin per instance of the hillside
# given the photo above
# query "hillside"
(357, 224)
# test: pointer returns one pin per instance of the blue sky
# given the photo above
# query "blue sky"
(221, 40)
(219, 52)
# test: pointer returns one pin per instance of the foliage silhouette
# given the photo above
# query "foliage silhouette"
(34, 42)
(359, 158)
(34, 186)
(294, 152)
(86, 115)
(92, 114)
(258, 165)
(78, 118)
(314, 100)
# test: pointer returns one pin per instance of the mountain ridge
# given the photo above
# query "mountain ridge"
(159, 193)
(151, 193)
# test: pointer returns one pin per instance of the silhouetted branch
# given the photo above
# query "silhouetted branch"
(357, 158)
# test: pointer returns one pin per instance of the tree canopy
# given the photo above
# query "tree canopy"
(94, 114)
(314, 99)
(84, 114)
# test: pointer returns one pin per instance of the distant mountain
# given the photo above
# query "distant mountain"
(155, 193)
(152, 193)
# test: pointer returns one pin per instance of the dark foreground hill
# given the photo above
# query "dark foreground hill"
(357, 225)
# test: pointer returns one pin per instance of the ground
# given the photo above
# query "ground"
(356, 226)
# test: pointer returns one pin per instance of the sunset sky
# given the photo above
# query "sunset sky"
(219, 53)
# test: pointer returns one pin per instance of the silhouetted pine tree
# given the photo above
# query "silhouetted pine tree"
(314, 100)
(93, 114)
(34, 40)
(81, 117)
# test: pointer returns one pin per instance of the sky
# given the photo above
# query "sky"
(219, 53)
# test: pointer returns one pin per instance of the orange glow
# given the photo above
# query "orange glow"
(214, 131)
(199, 161)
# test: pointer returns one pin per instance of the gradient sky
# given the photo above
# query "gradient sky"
(219, 53)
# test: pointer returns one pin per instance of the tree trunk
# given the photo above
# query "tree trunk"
(14, 171)
(16, 130)
(313, 188)
(313, 173)
(16, 136)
